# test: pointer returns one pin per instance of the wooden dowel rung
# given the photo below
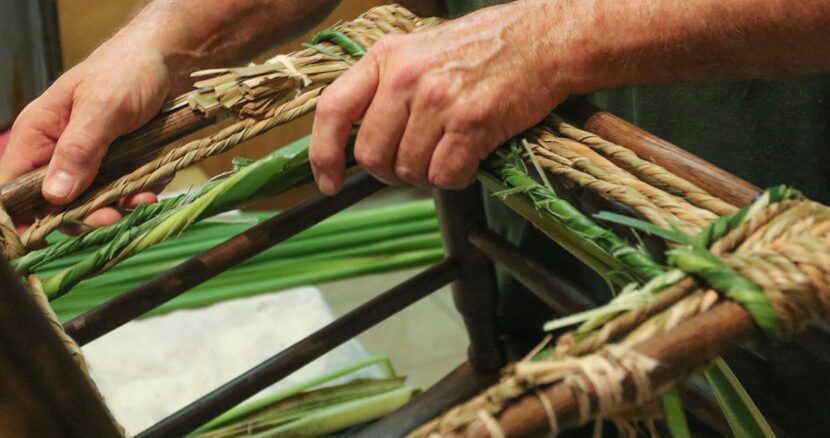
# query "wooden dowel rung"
(303, 352)
(562, 296)
(125, 154)
(216, 260)
(694, 169)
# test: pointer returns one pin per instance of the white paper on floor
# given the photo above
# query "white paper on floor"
(152, 367)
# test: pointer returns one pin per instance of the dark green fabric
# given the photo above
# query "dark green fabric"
(767, 132)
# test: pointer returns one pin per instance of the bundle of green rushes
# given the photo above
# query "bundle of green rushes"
(84, 271)
(352, 243)
(313, 409)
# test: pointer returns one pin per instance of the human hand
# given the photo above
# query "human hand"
(4, 138)
(434, 103)
(117, 89)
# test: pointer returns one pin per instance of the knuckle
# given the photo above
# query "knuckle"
(434, 92)
(323, 158)
(369, 160)
(23, 122)
(403, 77)
(118, 105)
(441, 179)
(385, 45)
(86, 96)
(405, 173)
(468, 118)
(123, 108)
(34, 115)
(121, 105)
(29, 112)
(78, 151)
(329, 104)
(64, 87)
(327, 100)
(48, 116)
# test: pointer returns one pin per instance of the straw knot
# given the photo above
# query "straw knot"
(10, 243)
(782, 247)
(604, 384)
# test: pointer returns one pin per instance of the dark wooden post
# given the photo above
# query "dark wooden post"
(43, 393)
(474, 292)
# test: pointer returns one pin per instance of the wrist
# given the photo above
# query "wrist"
(155, 47)
(554, 41)
(578, 48)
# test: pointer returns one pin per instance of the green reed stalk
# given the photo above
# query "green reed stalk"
(282, 170)
(244, 410)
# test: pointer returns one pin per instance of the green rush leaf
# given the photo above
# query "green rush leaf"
(723, 278)
(743, 416)
(256, 405)
(280, 171)
(577, 232)
(341, 39)
(328, 52)
(675, 417)
(641, 225)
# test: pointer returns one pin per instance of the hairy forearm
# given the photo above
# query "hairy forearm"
(612, 43)
(194, 34)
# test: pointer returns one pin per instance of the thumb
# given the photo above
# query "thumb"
(78, 153)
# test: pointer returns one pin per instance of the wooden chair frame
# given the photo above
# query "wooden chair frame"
(67, 406)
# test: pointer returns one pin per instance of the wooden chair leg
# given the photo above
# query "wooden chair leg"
(43, 393)
(474, 293)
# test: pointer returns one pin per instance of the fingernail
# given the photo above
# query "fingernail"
(59, 184)
(325, 183)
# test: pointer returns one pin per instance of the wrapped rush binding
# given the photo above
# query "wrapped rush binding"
(728, 272)
(722, 270)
